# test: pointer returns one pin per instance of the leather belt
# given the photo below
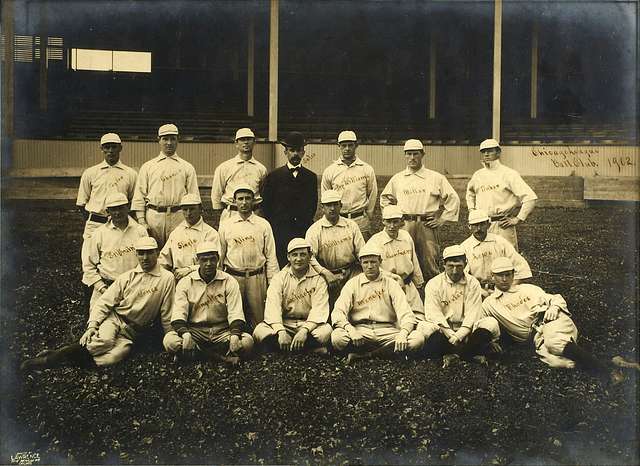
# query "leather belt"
(97, 218)
(341, 269)
(418, 217)
(245, 274)
(352, 214)
(161, 209)
(497, 218)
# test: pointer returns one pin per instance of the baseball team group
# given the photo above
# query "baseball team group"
(271, 279)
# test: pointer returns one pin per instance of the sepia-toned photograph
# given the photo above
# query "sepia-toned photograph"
(320, 232)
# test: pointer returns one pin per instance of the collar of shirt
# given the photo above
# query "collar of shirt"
(362, 278)
(198, 226)
(104, 165)
(292, 167)
(497, 293)
(239, 159)
(238, 219)
(156, 271)
(496, 165)
(163, 156)
(357, 161)
(388, 239)
(327, 224)
(474, 241)
(422, 173)
(195, 275)
(462, 281)
(113, 227)
(310, 272)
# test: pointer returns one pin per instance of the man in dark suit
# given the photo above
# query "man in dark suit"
(290, 196)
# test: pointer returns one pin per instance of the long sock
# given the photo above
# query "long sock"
(477, 343)
(583, 358)
(437, 345)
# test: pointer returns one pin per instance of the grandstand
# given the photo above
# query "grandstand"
(534, 74)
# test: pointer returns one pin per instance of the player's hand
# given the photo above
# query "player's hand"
(509, 222)
(356, 337)
(447, 332)
(391, 198)
(284, 340)
(187, 342)
(87, 335)
(332, 279)
(235, 344)
(434, 223)
(551, 314)
(401, 342)
(454, 340)
(101, 287)
(299, 339)
(181, 272)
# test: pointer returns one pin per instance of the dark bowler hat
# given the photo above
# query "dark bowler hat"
(294, 139)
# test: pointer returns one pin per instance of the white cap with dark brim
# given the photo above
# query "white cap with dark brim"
(167, 129)
(207, 247)
(502, 264)
(112, 138)
(330, 195)
(116, 200)
(146, 243)
(297, 243)
(245, 133)
(413, 144)
(489, 144)
(453, 251)
(369, 249)
(190, 199)
(345, 136)
(478, 216)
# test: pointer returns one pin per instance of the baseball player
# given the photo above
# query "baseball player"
(372, 317)
(290, 196)
(420, 192)
(501, 192)
(207, 315)
(248, 252)
(481, 248)
(525, 311)
(454, 325)
(111, 249)
(162, 183)
(179, 253)
(399, 256)
(130, 305)
(97, 182)
(243, 169)
(297, 308)
(355, 180)
(335, 242)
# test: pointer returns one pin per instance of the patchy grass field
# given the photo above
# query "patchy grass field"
(277, 409)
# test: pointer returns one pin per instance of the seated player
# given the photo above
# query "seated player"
(399, 256)
(481, 248)
(524, 311)
(454, 325)
(297, 309)
(179, 252)
(207, 318)
(128, 307)
(372, 317)
(110, 252)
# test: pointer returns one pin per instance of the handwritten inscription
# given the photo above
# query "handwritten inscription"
(582, 157)
(25, 457)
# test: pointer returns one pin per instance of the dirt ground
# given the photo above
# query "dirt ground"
(308, 409)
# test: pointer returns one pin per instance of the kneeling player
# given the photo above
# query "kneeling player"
(297, 309)
(207, 316)
(372, 317)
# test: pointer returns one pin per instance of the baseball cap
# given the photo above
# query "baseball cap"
(369, 249)
(145, 243)
(502, 264)
(115, 200)
(297, 243)
(207, 246)
(391, 211)
(347, 136)
(453, 251)
(330, 195)
(244, 133)
(190, 199)
(243, 187)
(169, 128)
(478, 216)
(413, 144)
(489, 144)
(110, 137)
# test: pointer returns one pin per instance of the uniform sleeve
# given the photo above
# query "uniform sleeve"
(326, 179)
(451, 201)
(433, 306)
(191, 181)
(90, 261)
(84, 190)
(489, 308)
(138, 202)
(223, 245)
(167, 302)
(522, 269)
(272, 266)
(406, 319)
(342, 307)
(372, 191)
(131, 187)
(472, 303)
(358, 239)
(548, 301)
(388, 189)
(273, 306)
(235, 311)
(526, 209)
(109, 299)
(217, 188)
(319, 313)
(471, 194)
(180, 310)
(520, 188)
(418, 278)
(165, 258)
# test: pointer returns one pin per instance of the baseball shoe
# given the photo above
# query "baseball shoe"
(481, 359)
(448, 359)
(34, 364)
(321, 351)
(621, 362)
(616, 377)
(353, 357)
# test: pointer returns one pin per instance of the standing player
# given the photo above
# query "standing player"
(97, 182)
(248, 252)
(501, 192)
(420, 192)
(242, 169)
(355, 180)
(162, 183)
(290, 196)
